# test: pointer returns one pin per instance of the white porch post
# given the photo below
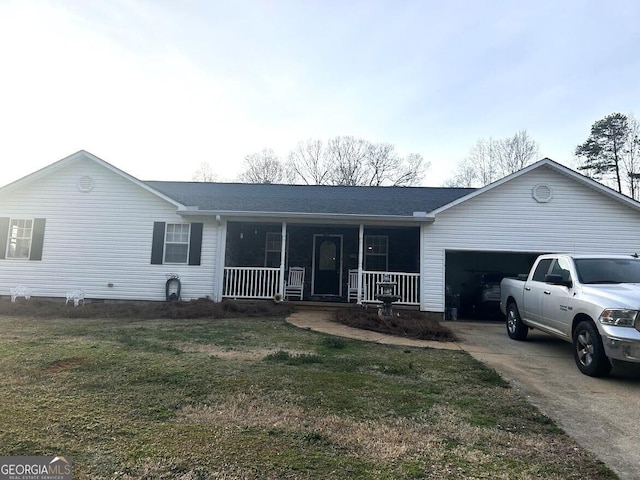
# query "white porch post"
(220, 260)
(423, 271)
(360, 257)
(283, 253)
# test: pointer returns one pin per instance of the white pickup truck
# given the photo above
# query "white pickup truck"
(592, 301)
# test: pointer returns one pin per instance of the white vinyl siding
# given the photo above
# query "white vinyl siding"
(100, 241)
(577, 219)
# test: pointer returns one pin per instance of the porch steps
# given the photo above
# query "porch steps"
(320, 306)
(332, 306)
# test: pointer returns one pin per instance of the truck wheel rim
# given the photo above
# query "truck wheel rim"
(584, 347)
(511, 321)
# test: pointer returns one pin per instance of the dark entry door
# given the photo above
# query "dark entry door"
(327, 264)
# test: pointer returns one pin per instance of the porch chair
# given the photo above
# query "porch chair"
(20, 291)
(75, 296)
(352, 289)
(295, 283)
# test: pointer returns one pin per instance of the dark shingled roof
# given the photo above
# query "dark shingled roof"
(242, 197)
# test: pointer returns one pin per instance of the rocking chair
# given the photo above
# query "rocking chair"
(295, 283)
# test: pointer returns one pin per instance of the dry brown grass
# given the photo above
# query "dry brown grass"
(440, 436)
(230, 353)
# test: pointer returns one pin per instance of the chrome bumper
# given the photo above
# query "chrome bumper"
(621, 349)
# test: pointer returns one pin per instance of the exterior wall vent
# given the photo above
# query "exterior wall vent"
(85, 184)
(542, 193)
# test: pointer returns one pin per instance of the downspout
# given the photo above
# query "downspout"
(283, 252)
(360, 257)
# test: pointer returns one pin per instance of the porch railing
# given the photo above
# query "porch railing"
(262, 282)
(250, 282)
(406, 286)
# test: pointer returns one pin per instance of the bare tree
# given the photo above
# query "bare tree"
(631, 161)
(386, 167)
(516, 152)
(264, 167)
(309, 162)
(204, 173)
(466, 175)
(491, 159)
(484, 155)
(349, 160)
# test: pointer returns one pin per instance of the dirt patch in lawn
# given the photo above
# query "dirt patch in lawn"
(64, 364)
(231, 353)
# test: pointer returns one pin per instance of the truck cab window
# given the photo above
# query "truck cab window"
(542, 269)
(561, 267)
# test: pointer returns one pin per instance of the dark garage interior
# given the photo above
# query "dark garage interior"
(472, 280)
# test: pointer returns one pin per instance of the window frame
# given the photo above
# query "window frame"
(14, 239)
(368, 255)
(267, 250)
(167, 243)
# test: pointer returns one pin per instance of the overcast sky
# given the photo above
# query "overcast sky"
(156, 87)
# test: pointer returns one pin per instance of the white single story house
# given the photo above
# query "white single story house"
(81, 224)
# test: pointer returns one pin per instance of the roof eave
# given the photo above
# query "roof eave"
(344, 217)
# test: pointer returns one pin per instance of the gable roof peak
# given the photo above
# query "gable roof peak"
(80, 154)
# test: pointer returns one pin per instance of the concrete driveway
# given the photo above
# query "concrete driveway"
(603, 415)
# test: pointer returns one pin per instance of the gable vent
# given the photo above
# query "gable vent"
(542, 193)
(86, 183)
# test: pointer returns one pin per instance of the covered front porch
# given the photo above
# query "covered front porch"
(339, 263)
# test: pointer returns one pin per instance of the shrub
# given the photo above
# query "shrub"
(406, 323)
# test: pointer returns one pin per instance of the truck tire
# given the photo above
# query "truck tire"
(588, 351)
(515, 328)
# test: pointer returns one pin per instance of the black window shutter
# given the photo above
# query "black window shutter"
(37, 239)
(195, 244)
(4, 234)
(157, 245)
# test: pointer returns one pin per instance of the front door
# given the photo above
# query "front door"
(327, 264)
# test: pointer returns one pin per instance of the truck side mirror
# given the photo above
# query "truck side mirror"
(555, 279)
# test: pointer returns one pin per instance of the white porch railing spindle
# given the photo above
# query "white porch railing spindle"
(250, 282)
(406, 286)
(263, 282)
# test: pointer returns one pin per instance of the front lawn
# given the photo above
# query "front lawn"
(245, 398)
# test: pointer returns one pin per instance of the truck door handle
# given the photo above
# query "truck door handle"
(527, 289)
(547, 292)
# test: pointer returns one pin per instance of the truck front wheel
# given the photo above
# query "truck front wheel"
(588, 351)
(515, 328)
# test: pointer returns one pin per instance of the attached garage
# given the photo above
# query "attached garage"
(501, 228)
(471, 279)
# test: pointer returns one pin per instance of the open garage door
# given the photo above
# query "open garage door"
(472, 280)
